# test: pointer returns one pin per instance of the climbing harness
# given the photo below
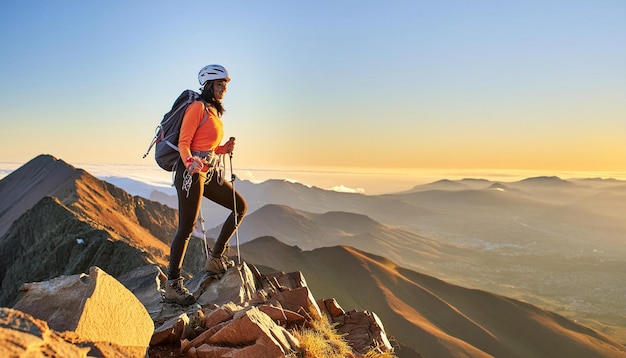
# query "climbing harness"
(211, 160)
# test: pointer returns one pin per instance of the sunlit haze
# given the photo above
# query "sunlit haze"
(349, 95)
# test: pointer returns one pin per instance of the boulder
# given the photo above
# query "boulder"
(22, 335)
(94, 307)
(298, 300)
(147, 283)
(254, 326)
(331, 308)
(207, 351)
(170, 331)
(282, 316)
(218, 316)
(144, 282)
(186, 345)
(276, 313)
(250, 333)
(287, 281)
(363, 330)
(237, 285)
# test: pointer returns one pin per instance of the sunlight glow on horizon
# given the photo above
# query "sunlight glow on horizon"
(369, 181)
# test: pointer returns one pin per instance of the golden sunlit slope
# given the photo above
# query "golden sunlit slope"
(139, 222)
(142, 223)
(433, 317)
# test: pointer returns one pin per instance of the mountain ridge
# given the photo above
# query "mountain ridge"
(41, 176)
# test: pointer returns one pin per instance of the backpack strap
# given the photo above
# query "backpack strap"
(206, 114)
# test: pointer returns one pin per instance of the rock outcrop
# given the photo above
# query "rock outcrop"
(240, 314)
(247, 314)
(21, 333)
(94, 308)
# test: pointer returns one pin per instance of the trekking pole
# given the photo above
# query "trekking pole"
(232, 182)
(206, 247)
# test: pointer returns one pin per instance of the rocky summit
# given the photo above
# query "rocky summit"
(241, 313)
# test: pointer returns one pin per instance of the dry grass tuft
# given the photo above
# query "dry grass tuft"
(320, 339)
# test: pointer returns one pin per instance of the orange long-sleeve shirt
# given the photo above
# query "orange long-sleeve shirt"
(199, 138)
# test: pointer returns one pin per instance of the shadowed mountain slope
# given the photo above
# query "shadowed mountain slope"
(433, 317)
(70, 220)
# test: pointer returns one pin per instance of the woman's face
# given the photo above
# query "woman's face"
(219, 89)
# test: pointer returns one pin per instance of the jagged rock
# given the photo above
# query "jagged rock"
(252, 325)
(294, 318)
(202, 338)
(96, 308)
(208, 351)
(236, 285)
(168, 310)
(288, 280)
(22, 335)
(297, 300)
(331, 307)
(282, 316)
(244, 314)
(219, 315)
(170, 331)
(363, 330)
(144, 282)
(277, 314)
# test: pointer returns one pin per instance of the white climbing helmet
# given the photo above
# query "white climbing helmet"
(212, 72)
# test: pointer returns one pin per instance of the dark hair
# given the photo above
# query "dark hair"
(208, 96)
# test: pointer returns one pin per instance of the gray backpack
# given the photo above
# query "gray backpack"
(167, 132)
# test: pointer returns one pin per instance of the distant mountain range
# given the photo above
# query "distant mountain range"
(553, 242)
(538, 239)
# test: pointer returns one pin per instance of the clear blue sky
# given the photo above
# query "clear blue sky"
(536, 85)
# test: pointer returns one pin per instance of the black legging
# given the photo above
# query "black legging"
(189, 207)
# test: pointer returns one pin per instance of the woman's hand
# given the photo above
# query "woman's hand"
(194, 165)
(227, 148)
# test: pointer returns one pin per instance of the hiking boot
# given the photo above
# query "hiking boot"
(175, 292)
(219, 264)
